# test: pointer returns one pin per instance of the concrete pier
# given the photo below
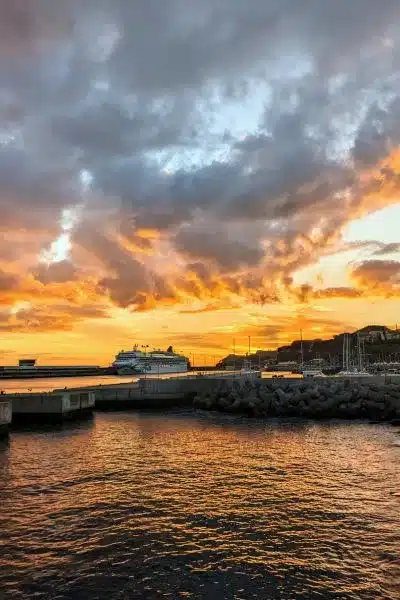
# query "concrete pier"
(56, 406)
(371, 398)
(161, 393)
(5, 416)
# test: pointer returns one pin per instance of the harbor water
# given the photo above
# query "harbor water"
(200, 506)
(47, 384)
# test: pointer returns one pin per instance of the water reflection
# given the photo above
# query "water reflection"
(205, 506)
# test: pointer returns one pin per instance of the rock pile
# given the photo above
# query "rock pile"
(316, 399)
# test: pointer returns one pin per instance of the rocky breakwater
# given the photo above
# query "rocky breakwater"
(377, 400)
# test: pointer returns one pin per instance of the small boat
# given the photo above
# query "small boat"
(248, 370)
(355, 373)
(311, 373)
(349, 370)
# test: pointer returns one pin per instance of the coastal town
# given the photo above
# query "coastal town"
(380, 346)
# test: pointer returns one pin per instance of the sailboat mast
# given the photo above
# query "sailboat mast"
(301, 349)
(348, 352)
(344, 352)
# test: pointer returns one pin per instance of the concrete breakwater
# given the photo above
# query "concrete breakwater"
(54, 407)
(375, 398)
(159, 393)
(372, 398)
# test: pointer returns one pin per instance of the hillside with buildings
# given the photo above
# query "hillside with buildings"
(379, 344)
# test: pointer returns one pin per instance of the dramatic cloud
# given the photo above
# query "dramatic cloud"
(381, 271)
(58, 272)
(54, 317)
(306, 293)
(382, 276)
(155, 151)
(7, 281)
(384, 249)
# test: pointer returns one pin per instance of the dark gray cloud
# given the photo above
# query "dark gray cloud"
(389, 248)
(58, 272)
(33, 191)
(214, 244)
(156, 103)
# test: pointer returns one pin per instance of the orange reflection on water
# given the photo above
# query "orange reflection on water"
(306, 503)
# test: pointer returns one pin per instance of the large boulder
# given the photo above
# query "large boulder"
(281, 395)
(237, 405)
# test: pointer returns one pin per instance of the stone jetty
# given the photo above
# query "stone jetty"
(376, 398)
(161, 394)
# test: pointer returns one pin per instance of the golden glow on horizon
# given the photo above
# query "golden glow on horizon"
(71, 320)
(206, 337)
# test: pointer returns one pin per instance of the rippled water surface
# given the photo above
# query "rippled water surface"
(200, 506)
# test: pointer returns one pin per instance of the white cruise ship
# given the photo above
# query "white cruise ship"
(154, 362)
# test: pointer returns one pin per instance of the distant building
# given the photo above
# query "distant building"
(27, 363)
(378, 333)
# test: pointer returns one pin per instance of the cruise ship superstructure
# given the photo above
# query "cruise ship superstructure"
(154, 362)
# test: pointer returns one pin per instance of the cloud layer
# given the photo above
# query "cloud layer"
(190, 151)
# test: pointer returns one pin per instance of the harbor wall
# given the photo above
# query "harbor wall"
(372, 398)
(149, 393)
(5, 416)
(51, 406)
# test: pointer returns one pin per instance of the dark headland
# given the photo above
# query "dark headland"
(379, 344)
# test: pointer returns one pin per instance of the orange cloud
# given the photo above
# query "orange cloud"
(378, 187)
(378, 277)
(55, 317)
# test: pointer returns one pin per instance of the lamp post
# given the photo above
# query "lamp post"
(145, 362)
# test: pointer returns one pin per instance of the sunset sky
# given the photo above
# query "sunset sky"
(190, 173)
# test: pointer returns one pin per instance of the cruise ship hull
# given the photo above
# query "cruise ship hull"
(152, 369)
